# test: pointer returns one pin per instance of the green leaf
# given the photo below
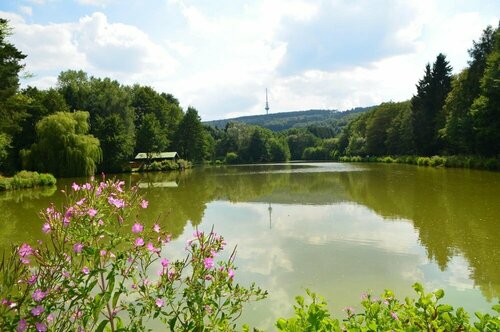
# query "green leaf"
(116, 296)
(444, 308)
(446, 317)
(439, 294)
(102, 325)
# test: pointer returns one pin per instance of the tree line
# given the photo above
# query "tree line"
(449, 115)
(87, 124)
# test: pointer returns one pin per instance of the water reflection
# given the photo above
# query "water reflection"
(340, 229)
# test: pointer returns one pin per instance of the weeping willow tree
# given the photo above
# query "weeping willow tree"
(63, 146)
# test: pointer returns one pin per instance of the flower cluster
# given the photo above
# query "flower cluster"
(100, 266)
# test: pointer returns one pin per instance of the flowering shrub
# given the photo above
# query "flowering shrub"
(95, 271)
(388, 314)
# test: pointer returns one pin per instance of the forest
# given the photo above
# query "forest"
(87, 124)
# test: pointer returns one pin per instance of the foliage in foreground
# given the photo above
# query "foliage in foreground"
(388, 314)
(25, 179)
(100, 268)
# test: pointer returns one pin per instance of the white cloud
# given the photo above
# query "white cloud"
(39, 2)
(93, 44)
(26, 10)
(220, 57)
(98, 3)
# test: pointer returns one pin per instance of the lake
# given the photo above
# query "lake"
(339, 229)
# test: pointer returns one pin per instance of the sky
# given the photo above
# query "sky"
(219, 56)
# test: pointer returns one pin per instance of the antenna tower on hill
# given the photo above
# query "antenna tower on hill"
(267, 104)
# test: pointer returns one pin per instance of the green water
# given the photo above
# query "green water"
(338, 229)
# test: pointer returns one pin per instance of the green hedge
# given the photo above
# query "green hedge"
(26, 179)
(166, 165)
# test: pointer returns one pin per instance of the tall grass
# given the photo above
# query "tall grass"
(472, 162)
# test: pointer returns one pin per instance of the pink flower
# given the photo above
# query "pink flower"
(198, 234)
(85, 270)
(139, 242)
(40, 327)
(25, 250)
(80, 202)
(118, 203)
(119, 186)
(230, 273)
(25, 260)
(349, 311)
(394, 315)
(77, 248)
(87, 186)
(137, 228)
(38, 295)
(133, 286)
(156, 228)
(75, 187)
(209, 263)
(159, 303)
(22, 325)
(100, 222)
(103, 252)
(151, 247)
(32, 279)
(37, 310)
(164, 262)
(92, 212)
(144, 203)
(46, 228)
(50, 318)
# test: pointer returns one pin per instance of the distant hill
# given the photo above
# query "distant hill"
(287, 120)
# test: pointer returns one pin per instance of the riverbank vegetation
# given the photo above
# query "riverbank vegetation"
(473, 162)
(165, 165)
(25, 179)
(114, 273)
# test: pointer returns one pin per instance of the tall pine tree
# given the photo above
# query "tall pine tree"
(427, 106)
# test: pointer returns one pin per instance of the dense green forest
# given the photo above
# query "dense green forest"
(298, 119)
(87, 124)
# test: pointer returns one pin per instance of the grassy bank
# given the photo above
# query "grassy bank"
(25, 179)
(434, 161)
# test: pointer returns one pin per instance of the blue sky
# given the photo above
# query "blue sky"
(220, 55)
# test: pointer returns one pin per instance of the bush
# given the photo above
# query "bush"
(437, 161)
(388, 160)
(5, 183)
(231, 158)
(166, 165)
(423, 161)
(97, 272)
(26, 179)
(388, 314)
